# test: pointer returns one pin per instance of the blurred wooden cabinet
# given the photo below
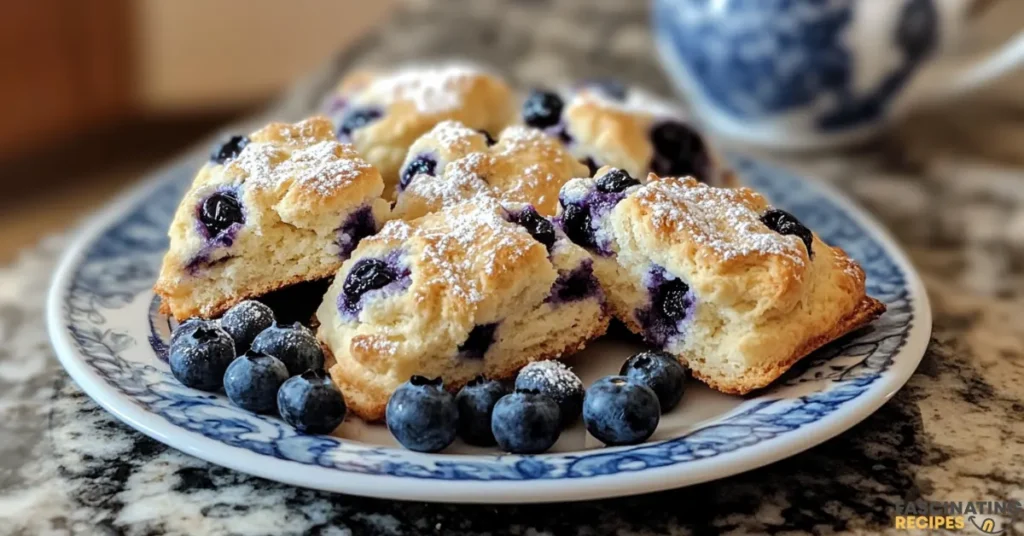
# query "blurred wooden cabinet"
(68, 64)
(64, 64)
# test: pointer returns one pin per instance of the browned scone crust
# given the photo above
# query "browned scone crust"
(296, 185)
(759, 301)
(467, 266)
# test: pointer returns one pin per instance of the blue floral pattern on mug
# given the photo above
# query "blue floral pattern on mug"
(759, 58)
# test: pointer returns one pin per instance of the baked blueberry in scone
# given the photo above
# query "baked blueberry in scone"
(453, 162)
(606, 123)
(736, 289)
(286, 204)
(383, 113)
(476, 288)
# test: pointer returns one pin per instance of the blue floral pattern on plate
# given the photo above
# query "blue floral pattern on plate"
(120, 265)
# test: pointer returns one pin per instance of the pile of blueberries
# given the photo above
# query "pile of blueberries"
(546, 398)
(262, 366)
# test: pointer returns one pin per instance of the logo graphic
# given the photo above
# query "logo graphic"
(987, 525)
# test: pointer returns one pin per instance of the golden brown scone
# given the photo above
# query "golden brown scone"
(286, 204)
(453, 162)
(383, 113)
(708, 275)
(627, 128)
(457, 293)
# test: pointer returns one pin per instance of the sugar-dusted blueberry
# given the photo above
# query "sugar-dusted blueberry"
(679, 151)
(188, 326)
(245, 321)
(228, 149)
(423, 164)
(526, 422)
(220, 211)
(358, 118)
(539, 227)
(577, 226)
(367, 274)
(618, 411)
(554, 379)
(783, 222)
(672, 299)
(542, 108)
(660, 371)
(199, 359)
(616, 180)
(311, 402)
(293, 344)
(422, 416)
(252, 380)
(476, 403)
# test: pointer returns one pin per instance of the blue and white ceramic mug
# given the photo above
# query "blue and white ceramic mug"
(816, 73)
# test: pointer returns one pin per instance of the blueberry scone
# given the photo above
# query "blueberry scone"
(286, 204)
(614, 125)
(735, 288)
(453, 162)
(383, 113)
(476, 288)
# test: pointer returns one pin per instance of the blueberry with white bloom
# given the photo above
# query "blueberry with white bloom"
(252, 381)
(618, 411)
(660, 371)
(526, 422)
(422, 415)
(199, 358)
(311, 403)
(294, 345)
(245, 321)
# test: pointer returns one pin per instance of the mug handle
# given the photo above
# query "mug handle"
(982, 69)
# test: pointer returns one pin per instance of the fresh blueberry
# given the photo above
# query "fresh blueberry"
(188, 326)
(358, 118)
(554, 380)
(199, 359)
(252, 380)
(311, 403)
(367, 275)
(228, 149)
(542, 108)
(245, 321)
(620, 412)
(783, 222)
(220, 211)
(526, 422)
(476, 403)
(660, 371)
(615, 181)
(577, 226)
(294, 345)
(678, 151)
(539, 227)
(672, 299)
(490, 139)
(422, 415)
(422, 164)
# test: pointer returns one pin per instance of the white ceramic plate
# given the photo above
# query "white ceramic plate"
(108, 334)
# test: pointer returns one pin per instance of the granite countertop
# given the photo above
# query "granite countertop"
(950, 186)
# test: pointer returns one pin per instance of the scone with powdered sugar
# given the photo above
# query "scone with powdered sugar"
(286, 204)
(736, 289)
(610, 124)
(383, 112)
(476, 288)
(453, 162)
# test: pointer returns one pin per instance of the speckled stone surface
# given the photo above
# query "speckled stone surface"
(950, 186)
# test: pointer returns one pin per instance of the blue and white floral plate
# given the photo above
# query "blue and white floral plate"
(105, 326)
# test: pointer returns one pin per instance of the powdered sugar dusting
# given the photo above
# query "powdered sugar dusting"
(555, 375)
(431, 89)
(717, 218)
(459, 181)
(453, 136)
(637, 101)
(471, 239)
(320, 166)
